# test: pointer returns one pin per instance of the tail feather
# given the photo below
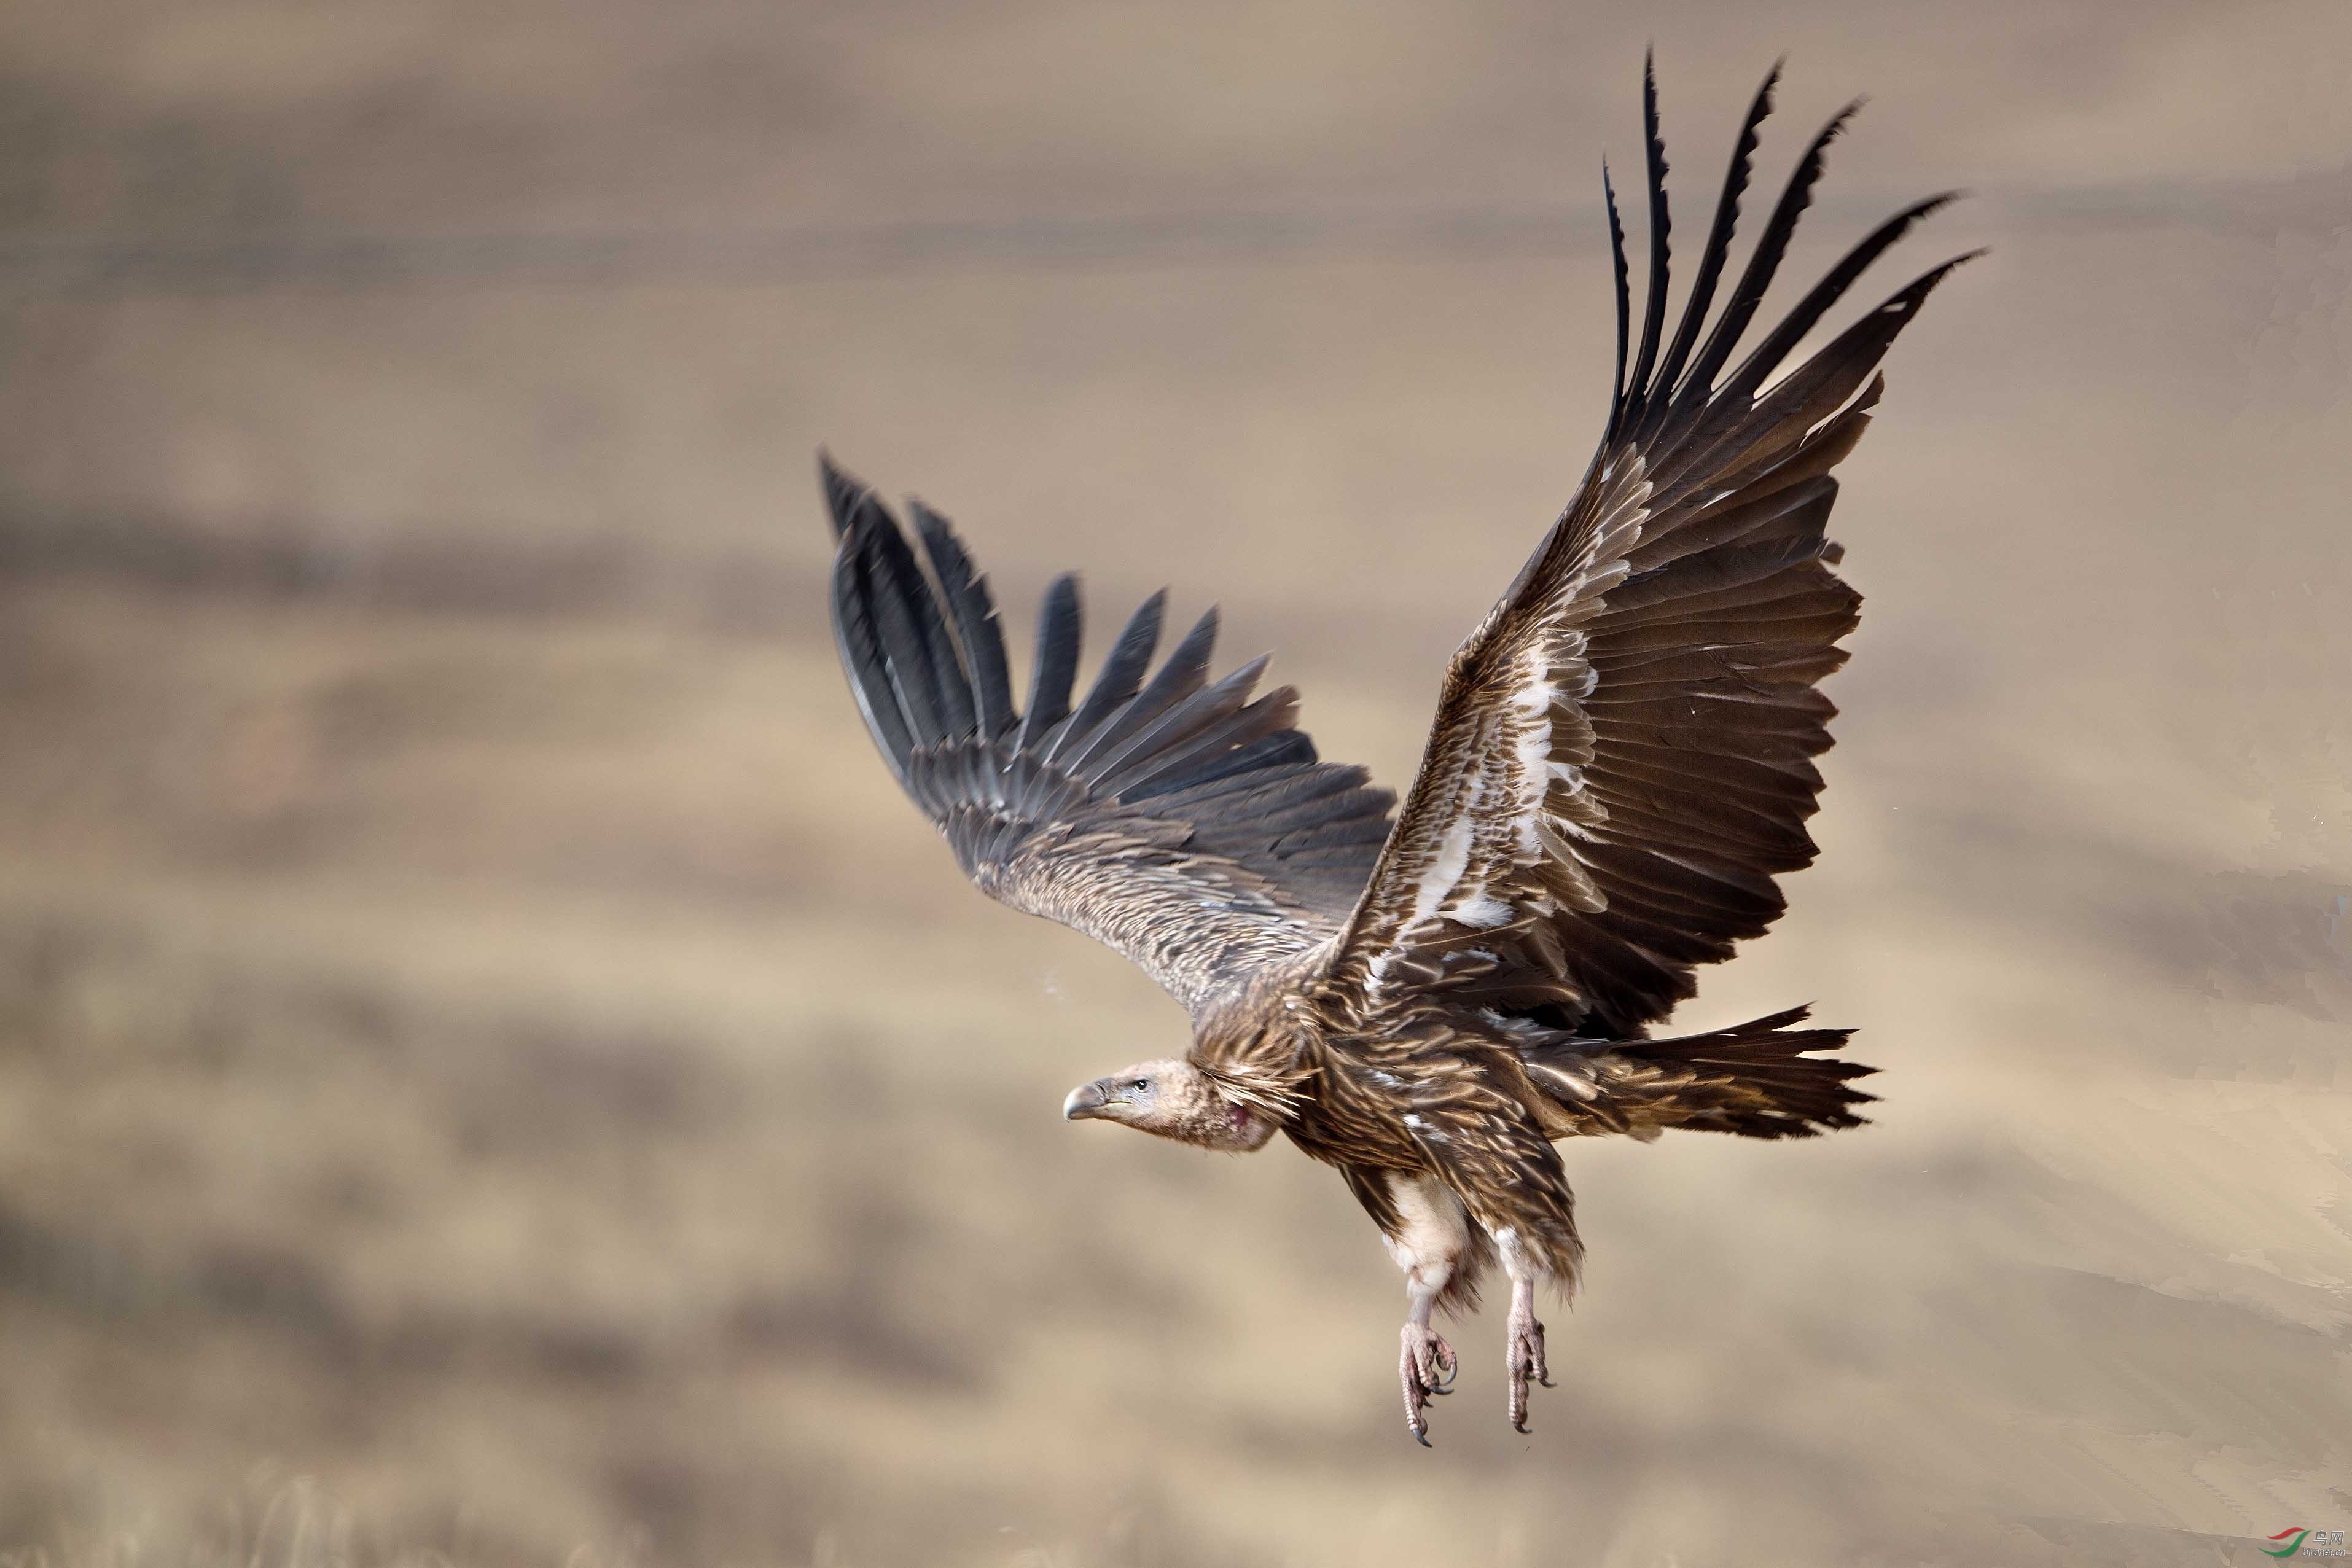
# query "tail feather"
(1758, 1079)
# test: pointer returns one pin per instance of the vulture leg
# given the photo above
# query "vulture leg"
(1525, 1350)
(1431, 1242)
(1524, 1344)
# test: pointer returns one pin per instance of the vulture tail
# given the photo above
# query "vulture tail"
(1757, 1080)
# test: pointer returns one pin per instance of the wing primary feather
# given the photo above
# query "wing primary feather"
(1851, 355)
(1178, 724)
(844, 493)
(976, 620)
(1793, 328)
(1770, 247)
(1653, 310)
(1060, 628)
(909, 633)
(1120, 677)
(1181, 764)
(861, 655)
(1184, 672)
(900, 641)
(1236, 799)
(1282, 749)
(1718, 251)
(1624, 304)
(915, 636)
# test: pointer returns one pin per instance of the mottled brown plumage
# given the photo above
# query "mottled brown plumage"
(1620, 766)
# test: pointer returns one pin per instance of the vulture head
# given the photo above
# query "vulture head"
(1175, 1100)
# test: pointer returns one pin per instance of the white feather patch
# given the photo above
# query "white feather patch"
(1533, 755)
(1516, 1261)
(1483, 912)
(1452, 859)
(1432, 1232)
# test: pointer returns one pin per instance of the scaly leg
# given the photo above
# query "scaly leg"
(1431, 1242)
(1525, 1349)
(1425, 1356)
(1522, 1349)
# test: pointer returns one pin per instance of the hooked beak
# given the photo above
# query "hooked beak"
(1085, 1101)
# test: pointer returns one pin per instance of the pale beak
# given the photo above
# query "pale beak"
(1086, 1099)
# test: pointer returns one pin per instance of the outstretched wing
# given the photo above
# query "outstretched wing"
(1620, 761)
(1174, 818)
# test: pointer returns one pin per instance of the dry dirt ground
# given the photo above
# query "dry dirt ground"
(478, 1031)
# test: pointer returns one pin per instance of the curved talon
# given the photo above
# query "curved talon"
(1452, 1369)
(1527, 1365)
(1425, 1356)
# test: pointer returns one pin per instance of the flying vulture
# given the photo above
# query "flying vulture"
(1426, 996)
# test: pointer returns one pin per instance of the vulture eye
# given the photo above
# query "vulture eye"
(1141, 1084)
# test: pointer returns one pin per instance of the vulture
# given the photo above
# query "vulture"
(1428, 995)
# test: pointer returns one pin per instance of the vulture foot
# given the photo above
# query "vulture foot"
(1426, 1356)
(1525, 1357)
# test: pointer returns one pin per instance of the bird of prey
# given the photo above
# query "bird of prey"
(1620, 765)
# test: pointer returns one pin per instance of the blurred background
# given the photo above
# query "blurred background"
(490, 1068)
